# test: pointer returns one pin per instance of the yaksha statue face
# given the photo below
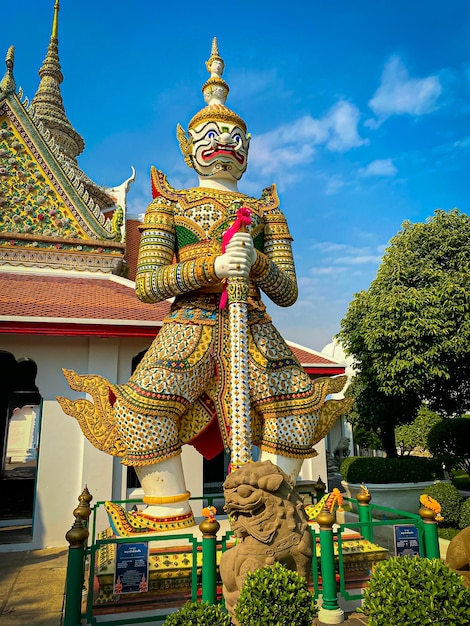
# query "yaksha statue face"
(217, 145)
(219, 149)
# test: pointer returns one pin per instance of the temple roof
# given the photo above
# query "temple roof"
(66, 303)
(51, 213)
(48, 102)
(316, 362)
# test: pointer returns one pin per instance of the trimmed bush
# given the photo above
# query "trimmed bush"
(409, 469)
(461, 480)
(450, 500)
(464, 520)
(411, 590)
(447, 533)
(275, 596)
(198, 614)
(450, 441)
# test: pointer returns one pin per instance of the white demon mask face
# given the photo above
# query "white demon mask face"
(219, 150)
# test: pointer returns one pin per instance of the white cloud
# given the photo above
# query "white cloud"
(341, 122)
(295, 144)
(463, 143)
(338, 256)
(333, 185)
(364, 259)
(399, 94)
(380, 167)
(327, 281)
(326, 271)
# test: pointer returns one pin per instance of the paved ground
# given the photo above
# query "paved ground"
(32, 588)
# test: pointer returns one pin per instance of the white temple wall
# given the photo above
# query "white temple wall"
(315, 467)
(59, 479)
(67, 461)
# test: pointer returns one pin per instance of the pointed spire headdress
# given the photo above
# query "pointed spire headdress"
(215, 91)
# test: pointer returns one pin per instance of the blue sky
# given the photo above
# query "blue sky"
(359, 111)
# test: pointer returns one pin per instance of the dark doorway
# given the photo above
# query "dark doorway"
(214, 473)
(20, 414)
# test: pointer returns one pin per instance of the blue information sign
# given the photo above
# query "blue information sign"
(406, 540)
(132, 567)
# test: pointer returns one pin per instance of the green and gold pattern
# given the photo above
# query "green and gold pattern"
(34, 206)
(187, 369)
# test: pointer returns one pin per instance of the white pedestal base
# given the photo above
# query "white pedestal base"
(331, 617)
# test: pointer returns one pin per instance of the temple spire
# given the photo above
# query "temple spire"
(7, 84)
(48, 101)
(55, 23)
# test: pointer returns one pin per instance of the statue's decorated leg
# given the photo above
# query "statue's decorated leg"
(284, 434)
(164, 488)
(289, 465)
(148, 439)
(166, 497)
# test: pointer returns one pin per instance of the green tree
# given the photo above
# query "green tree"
(450, 441)
(409, 436)
(409, 333)
(374, 415)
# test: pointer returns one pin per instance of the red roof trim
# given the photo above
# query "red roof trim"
(330, 371)
(72, 330)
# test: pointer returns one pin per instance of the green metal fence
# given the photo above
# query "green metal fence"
(82, 567)
(329, 566)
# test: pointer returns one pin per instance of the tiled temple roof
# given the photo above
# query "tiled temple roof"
(61, 303)
(65, 304)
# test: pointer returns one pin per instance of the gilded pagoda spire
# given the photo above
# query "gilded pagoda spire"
(48, 101)
(7, 84)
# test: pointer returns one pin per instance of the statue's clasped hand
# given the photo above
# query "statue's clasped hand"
(239, 256)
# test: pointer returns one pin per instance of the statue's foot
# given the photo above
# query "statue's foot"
(130, 523)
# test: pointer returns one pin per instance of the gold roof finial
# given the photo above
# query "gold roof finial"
(48, 99)
(55, 22)
(8, 84)
(10, 58)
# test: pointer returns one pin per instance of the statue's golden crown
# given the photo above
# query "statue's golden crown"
(217, 113)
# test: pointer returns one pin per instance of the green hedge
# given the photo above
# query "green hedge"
(197, 614)
(274, 596)
(450, 500)
(407, 469)
(410, 591)
(464, 520)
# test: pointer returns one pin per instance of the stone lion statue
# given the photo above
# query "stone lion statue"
(458, 554)
(268, 519)
(342, 448)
